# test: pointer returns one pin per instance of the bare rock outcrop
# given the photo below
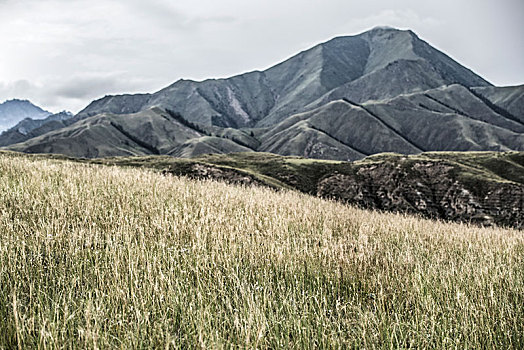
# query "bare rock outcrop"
(431, 189)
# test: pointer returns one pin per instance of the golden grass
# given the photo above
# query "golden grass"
(105, 257)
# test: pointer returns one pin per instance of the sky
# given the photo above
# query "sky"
(62, 54)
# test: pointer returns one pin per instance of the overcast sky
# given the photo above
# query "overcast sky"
(61, 54)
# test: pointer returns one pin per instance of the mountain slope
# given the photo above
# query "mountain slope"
(403, 76)
(341, 121)
(14, 111)
(507, 101)
(154, 131)
(450, 118)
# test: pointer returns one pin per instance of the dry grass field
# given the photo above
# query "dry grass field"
(95, 256)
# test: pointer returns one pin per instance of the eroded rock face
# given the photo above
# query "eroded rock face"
(430, 189)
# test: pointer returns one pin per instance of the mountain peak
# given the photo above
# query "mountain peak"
(16, 100)
(377, 28)
(23, 103)
(15, 110)
(370, 32)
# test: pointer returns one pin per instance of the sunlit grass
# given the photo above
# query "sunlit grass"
(97, 257)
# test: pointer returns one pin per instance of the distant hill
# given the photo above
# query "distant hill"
(13, 111)
(384, 90)
(29, 128)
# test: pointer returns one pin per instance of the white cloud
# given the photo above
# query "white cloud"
(403, 19)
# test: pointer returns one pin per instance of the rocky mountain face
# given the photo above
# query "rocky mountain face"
(384, 90)
(13, 111)
(354, 67)
(428, 187)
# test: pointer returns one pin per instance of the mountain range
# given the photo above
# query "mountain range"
(385, 90)
(13, 111)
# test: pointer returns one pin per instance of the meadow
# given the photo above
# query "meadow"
(96, 256)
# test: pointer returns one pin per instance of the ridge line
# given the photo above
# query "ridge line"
(412, 143)
(498, 110)
(339, 141)
(136, 140)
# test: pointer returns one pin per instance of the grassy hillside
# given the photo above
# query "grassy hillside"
(303, 174)
(95, 257)
(486, 188)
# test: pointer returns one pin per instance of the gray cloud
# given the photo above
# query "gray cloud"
(80, 88)
(64, 53)
(73, 91)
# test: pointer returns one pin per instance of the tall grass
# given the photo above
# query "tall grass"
(105, 257)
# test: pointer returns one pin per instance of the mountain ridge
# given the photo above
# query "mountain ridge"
(29, 128)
